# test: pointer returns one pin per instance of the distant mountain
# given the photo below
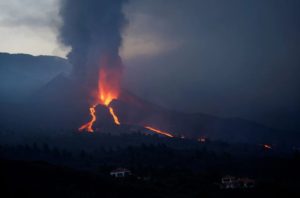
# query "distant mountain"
(23, 74)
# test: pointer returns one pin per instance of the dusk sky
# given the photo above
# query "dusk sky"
(228, 58)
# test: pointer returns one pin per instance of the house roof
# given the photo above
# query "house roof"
(120, 170)
(228, 177)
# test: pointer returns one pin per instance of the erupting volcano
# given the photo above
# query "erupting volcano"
(93, 31)
(109, 79)
(108, 90)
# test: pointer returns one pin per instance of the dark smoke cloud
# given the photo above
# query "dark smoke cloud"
(231, 58)
(93, 29)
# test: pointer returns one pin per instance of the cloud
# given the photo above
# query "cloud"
(30, 26)
(29, 13)
(230, 57)
(146, 43)
(93, 30)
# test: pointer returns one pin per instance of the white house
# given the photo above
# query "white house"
(228, 182)
(120, 173)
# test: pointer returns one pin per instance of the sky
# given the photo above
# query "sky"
(30, 26)
(228, 58)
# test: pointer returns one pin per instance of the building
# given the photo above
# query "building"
(246, 183)
(230, 182)
(120, 173)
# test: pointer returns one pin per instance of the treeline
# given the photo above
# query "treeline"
(163, 168)
(30, 178)
(147, 159)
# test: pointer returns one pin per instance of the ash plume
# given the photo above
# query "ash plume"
(92, 28)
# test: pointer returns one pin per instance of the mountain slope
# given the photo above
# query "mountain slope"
(22, 74)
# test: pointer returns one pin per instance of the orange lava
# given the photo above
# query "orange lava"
(116, 119)
(108, 89)
(89, 126)
(108, 84)
(159, 131)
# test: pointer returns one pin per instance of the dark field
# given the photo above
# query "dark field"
(167, 168)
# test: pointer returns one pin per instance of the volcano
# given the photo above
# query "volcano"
(58, 105)
(61, 106)
(64, 104)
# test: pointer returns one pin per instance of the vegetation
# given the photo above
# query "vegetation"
(168, 168)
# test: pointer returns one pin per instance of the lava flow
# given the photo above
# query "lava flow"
(159, 131)
(89, 126)
(115, 117)
(108, 90)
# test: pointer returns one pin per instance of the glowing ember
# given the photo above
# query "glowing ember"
(89, 126)
(159, 131)
(267, 146)
(116, 119)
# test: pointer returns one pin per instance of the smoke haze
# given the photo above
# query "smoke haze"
(92, 30)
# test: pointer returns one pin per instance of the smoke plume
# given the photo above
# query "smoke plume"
(92, 28)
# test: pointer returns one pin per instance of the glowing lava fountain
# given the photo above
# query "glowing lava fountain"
(108, 90)
(109, 78)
